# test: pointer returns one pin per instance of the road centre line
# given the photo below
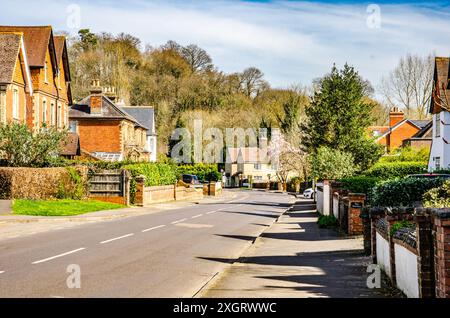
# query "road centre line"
(1, 272)
(117, 238)
(153, 228)
(179, 221)
(57, 256)
(197, 216)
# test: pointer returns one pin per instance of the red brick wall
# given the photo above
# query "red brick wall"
(100, 136)
(403, 132)
(442, 257)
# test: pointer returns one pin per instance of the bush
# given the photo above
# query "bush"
(327, 221)
(402, 192)
(204, 172)
(157, 174)
(360, 184)
(438, 197)
(21, 147)
(408, 154)
(331, 164)
(391, 170)
(400, 225)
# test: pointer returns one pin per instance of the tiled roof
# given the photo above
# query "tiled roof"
(61, 50)
(9, 51)
(420, 123)
(82, 110)
(37, 40)
(72, 148)
(144, 115)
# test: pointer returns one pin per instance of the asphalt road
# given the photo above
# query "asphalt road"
(169, 254)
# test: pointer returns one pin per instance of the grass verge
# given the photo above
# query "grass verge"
(60, 207)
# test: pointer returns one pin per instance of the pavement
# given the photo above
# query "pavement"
(293, 258)
(174, 252)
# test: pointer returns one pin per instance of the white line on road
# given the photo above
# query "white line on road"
(197, 216)
(179, 221)
(211, 212)
(117, 238)
(153, 228)
(1, 272)
(57, 256)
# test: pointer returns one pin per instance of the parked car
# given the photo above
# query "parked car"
(309, 193)
(429, 176)
(192, 180)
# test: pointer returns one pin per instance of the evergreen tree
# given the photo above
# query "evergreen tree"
(339, 115)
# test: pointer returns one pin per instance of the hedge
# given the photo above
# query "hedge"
(157, 174)
(391, 170)
(360, 184)
(438, 197)
(403, 192)
(204, 172)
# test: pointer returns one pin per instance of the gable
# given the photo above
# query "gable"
(441, 82)
(9, 52)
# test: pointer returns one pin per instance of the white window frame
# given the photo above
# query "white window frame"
(44, 111)
(16, 102)
(3, 103)
(437, 125)
(46, 72)
(52, 114)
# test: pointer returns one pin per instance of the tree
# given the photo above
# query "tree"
(197, 58)
(88, 39)
(252, 81)
(332, 164)
(409, 85)
(21, 148)
(339, 115)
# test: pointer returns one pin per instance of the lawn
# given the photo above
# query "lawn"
(60, 207)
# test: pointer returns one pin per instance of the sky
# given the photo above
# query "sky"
(292, 42)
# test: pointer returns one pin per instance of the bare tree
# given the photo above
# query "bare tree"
(252, 81)
(441, 97)
(409, 85)
(197, 58)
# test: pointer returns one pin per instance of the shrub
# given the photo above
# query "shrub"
(438, 197)
(400, 225)
(402, 192)
(330, 163)
(360, 184)
(391, 170)
(157, 174)
(408, 154)
(327, 221)
(21, 147)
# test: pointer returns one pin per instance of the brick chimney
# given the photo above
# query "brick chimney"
(395, 116)
(96, 100)
(110, 92)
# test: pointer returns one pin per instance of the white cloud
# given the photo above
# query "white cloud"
(292, 42)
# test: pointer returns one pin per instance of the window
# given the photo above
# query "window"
(59, 116)
(45, 72)
(44, 111)
(3, 103)
(73, 126)
(15, 103)
(437, 163)
(52, 114)
(437, 125)
(257, 166)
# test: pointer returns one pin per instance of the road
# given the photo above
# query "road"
(168, 254)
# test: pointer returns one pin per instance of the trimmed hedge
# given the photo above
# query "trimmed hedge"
(403, 192)
(438, 197)
(390, 170)
(157, 174)
(360, 184)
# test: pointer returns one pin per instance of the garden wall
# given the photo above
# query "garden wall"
(406, 269)
(36, 183)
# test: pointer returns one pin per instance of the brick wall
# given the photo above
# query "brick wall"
(100, 135)
(442, 252)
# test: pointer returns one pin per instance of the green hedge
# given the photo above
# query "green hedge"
(391, 170)
(360, 184)
(204, 172)
(438, 197)
(403, 192)
(157, 174)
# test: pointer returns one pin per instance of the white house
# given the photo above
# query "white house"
(439, 108)
(146, 116)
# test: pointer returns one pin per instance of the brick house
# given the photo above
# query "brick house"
(50, 76)
(402, 131)
(106, 132)
(15, 78)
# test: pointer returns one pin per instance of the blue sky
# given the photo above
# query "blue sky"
(292, 42)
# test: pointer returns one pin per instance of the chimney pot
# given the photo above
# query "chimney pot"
(395, 116)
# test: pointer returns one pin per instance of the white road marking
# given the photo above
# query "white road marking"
(197, 216)
(57, 256)
(1, 272)
(153, 228)
(117, 238)
(179, 221)
(211, 212)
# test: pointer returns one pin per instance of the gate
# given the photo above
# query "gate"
(110, 186)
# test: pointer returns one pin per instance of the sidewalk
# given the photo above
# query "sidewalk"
(296, 259)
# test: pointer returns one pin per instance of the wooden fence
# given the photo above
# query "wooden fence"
(110, 186)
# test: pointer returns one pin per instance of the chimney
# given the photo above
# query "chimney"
(96, 100)
(110, 92)
(395, 116)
